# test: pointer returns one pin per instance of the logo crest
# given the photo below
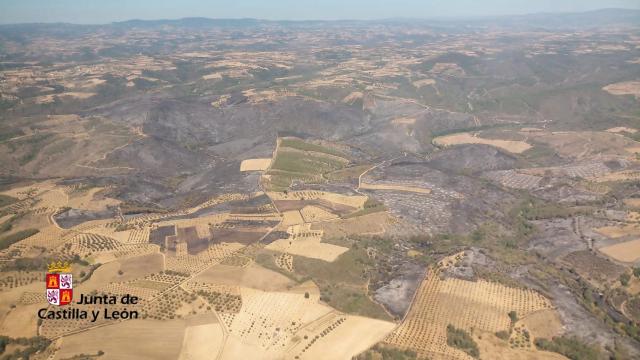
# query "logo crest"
(59, 284)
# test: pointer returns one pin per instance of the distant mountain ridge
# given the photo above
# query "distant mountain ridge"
(589, 19)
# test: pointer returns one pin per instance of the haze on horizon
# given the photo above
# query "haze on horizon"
(94, 12)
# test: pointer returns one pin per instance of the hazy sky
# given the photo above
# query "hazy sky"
(104, 11)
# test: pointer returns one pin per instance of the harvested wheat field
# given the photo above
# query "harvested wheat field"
(21, 321)
(255, 164)
(342, 337)
(478, 305)
(615, 232)
(135, 339)
(307, 243)
(395, 187)
(202, 341)
(292, 217)
(252, 276)
(624, 88)
(628, 251)
(513, 146)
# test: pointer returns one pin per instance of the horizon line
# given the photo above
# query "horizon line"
(435, 18)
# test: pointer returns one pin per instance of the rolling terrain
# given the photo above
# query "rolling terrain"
(390, 189)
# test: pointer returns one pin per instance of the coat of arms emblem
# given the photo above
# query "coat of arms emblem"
(59, 283)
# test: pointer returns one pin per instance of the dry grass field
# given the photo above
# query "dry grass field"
(370, 224)
(306, 242)
(488, 343)
(395, 187)
(255, 164)
(316, 214)
(137, 339)
(469, 305)
(292, 217)
(202, 341)
(615, 232)
(354, 201)
(341, 337)
(468, 138)
(628, 251)
(253, 276)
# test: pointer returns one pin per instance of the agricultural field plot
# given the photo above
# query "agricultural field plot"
(316, 214)
(308, 243)
(221, 298)
(591, 170)
(338, 336)
(296, 160)
(627, 252)
(202, 341)
(167, 305)
(91, 244)
(352, 201)
(14, 279)
(469, 305)
(52, 199)
(514, 179)
(370, 224)
(292, 217)
(616, 232)
(54, 328)
(50, 237)
(395, 187)
(627, 175)
(139, 236)
(90, 199)
(255, 165)
(137, 339)
(512, 146)
(268, 321)
(214, 254)
(144, 290)
(253, 276)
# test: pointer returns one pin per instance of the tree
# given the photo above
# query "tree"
(513, 316)
(624, 279)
